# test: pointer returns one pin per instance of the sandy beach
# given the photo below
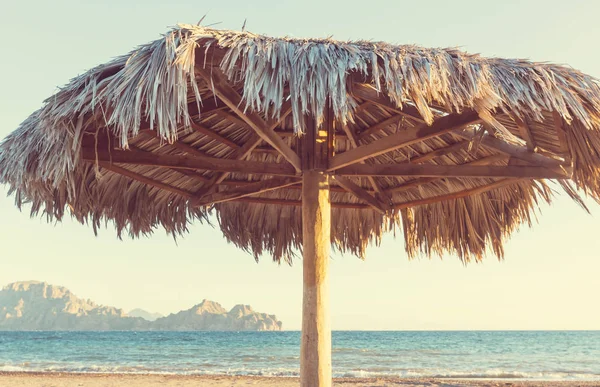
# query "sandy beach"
(10, 379)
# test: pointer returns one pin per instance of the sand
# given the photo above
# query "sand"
(9, 379)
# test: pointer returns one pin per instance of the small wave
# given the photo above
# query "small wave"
(9, 368)
(450, 374)
(370, 372)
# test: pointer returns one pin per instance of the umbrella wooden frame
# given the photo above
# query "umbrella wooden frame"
(314, 167)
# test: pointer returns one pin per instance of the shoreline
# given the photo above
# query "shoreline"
(73, 379)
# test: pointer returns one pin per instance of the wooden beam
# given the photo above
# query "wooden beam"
(182, 146)
(525, 133)
(233, 100)
(362, 107)
(403, 138)
(369, 93)
(379, 126)
(530, 172)
(214, 135)
(362, 194)
(439, 152)
(456, 195)
(513, 150)
(290, 133)
(187, 162)
(251, 189)
(374, 183)
(298, 203)
(561, 134)
(266, 150)
(426, 180)
(251, 144)
(240, 183)
(145, 180)
(208, 105)
(196, 175)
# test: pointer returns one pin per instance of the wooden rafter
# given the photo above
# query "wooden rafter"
(206, 107)
(517, 151)
(214, 135)
(289, 133)
(456, 195)
(297, 203)
(403, 138)
(266, 150)
(561, 134)
(251, 189)
(368, 92)
(233, 100)
(144, 179)
(426, 180)
(531, 172)
(187, 162)
(439, 152)
(380, 125)
(243, 152)
(374, 183)
(525, 132)
(362, 194)
(188, 172)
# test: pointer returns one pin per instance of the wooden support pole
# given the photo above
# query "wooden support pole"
(315, 351)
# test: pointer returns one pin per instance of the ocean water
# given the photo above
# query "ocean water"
(557, 355)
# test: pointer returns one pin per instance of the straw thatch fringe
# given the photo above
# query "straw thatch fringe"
(153, 86)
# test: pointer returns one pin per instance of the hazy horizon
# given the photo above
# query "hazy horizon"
(546, 281)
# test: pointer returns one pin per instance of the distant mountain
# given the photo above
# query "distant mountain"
(141, 313)
(211, 316)
(37, 305)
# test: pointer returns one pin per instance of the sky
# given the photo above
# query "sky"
(548, 279)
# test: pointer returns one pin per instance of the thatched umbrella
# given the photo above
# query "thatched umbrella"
(296, 145)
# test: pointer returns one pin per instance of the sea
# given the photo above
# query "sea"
(535, 355)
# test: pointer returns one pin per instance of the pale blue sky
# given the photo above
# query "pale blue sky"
(549, 279)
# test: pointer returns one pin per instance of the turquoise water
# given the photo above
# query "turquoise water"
(555, 355)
